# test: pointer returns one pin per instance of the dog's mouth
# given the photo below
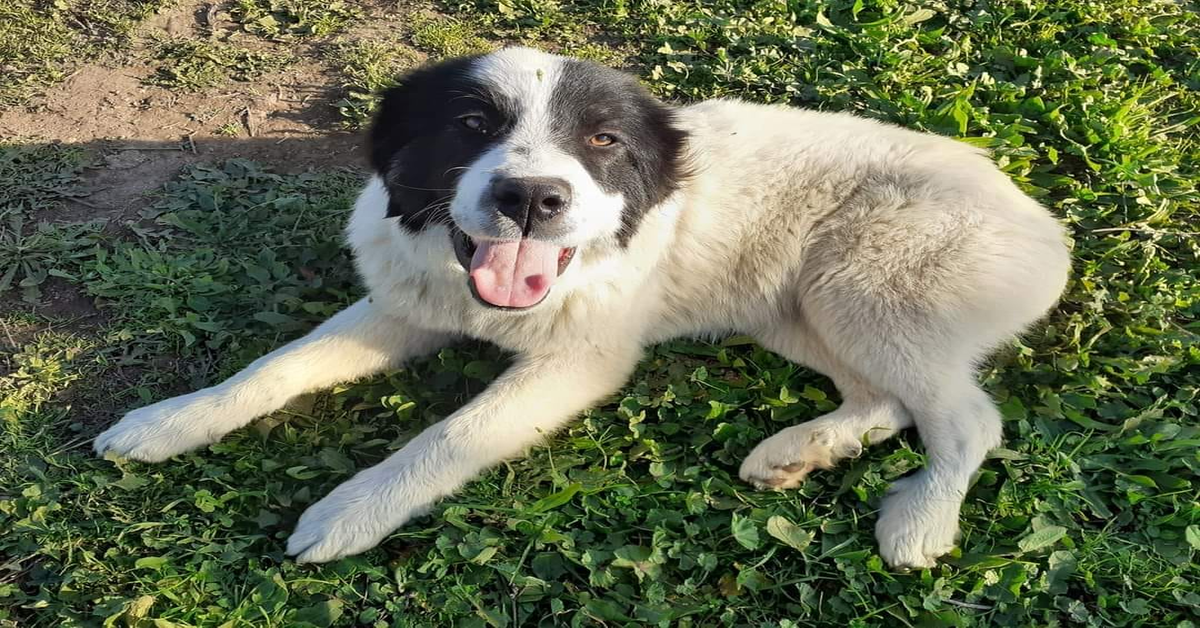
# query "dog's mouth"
(511, 274)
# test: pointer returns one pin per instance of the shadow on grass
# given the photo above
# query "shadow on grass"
(81, 224)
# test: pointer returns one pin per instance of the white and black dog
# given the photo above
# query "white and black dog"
(555, 208)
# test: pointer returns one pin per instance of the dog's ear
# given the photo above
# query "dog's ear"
(388, 128)
(405, 110)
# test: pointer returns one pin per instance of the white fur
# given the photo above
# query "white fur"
(529, 77)
(889, 260)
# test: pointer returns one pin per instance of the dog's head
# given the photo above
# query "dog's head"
(526, 157)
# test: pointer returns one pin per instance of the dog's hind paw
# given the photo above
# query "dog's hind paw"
(785, 459)
(918, 523)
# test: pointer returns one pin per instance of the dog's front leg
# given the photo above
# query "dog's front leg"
(533, 398)
(358, 341)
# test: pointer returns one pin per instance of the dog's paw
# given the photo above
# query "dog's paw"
(785, 459)
(350, 520)
(918, 523)
(167, 428)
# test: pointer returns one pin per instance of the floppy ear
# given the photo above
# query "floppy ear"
(387, 132)
(405, 108)
(388, 135)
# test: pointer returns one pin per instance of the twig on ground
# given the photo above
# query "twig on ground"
(178, 148)
(12, 342)
(248, 117)
(978, 607)
(1146, 230)
(77, 199)
(210, 18)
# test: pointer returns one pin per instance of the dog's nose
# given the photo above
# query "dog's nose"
(530, 201)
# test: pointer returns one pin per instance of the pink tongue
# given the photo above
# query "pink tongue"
(516, 273)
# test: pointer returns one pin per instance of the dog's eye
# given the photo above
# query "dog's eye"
(475, 123)
(602, 139)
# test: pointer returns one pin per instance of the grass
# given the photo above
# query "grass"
(193, 65)
(368, 67)
(286, 19)
(34, 179)
(447, 37)
(41, 41)
(1088, 515)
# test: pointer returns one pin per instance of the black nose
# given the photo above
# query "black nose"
(530, 201)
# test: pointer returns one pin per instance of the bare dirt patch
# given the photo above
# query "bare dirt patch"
(141, 135)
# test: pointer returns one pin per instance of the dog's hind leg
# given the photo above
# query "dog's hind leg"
(922, 360)
(958, 424)
(359, 341)
(913, 315)
(866, 416)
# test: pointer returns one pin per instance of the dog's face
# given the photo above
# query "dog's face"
(526, 157)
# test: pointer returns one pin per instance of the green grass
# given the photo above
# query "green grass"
(447, 37)
(193, 65)
(368, 67)
(284, 19)
(41, 41)
(35, 179)
(1088, 516)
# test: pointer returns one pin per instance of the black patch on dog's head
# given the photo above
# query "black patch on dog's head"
(418, 143)
(420, 147)
(645, 164)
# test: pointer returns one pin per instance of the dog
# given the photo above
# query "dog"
(556, 208)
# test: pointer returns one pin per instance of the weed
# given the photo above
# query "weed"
(229, 129)
(294, 18)
(33, 182)
(197, 64)
(34, 178)
(40, 41)
(32, 47)
(369, 67)
(446, 37)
